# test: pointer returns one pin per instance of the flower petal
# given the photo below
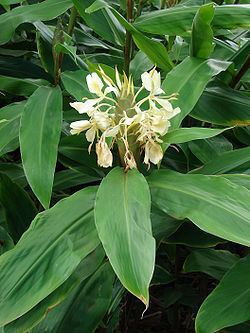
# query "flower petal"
(79, 126)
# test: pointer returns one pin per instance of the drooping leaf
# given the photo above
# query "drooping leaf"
(223, 106)
(18, 207)
(86, 306)
(9, 125)
(188, 80)
(39, 137)
(122, 217)
(215, 205)
(30, 319)
(6, 242)
(202, 34)
(47, 254)
(229, 302)
(225, 162)
(212, 262)
(164, 21)
(44, 11)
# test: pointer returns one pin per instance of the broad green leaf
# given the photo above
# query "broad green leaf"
(215, 205)
(229, 302)
(69, 178)
(6, 242)
(14, 172)
(124, 229)
(44, 11)
(75, 84)
(208, 149)
(240, 179)
(85, 308)
(181, 135)
(212, 262)
(18, 207)
(223, 106)
(9, 124)
(57, 240)
(103, 22)
(163, 22)
(188, 234)
(225, 162)
(20, 87)
(202, 34)
(161, 276)
(30, 319)
(39, 137)
(189, 79)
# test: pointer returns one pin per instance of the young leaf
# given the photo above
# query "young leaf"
(215, 205)
(202, 34)
(47, 254)
(122, 217)
(39, 137)
(229, 303)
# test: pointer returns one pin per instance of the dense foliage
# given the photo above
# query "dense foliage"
(136, 221)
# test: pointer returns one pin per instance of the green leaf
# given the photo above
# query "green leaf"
(124, 229)
(188, 234)
(14, 172)
(223, 106)
(240, 179)
(75, 84)
(20, 87)
(202, 34)
(215, 205)
(15, 200)
(85, 308)
(6, 243)
(189, 79)
(9, 125)
(44, 11)
(163, 22)
(212, 262)
(57, 240)
(229, 303)
(103, 22)
(39, 137)
(181, 135)
(225, 162)
(30, 319)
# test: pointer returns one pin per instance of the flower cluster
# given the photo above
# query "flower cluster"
(118, 116)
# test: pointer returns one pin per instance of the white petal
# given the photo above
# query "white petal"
(102, 120)
(90, 134)
(164, 103)
(146, 81)
(153, 152)
(111, 132)
(79, 126)
(84, 107)
(95, 84)
(104, 155)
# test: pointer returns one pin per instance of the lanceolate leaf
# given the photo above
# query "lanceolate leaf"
(229, 303)
(122, 216)
(214, 204)
(44, 11)
(188, 80)
(9, 124)
(164, 21)
(202, 34)
(181, 135)
(223, 106)
(86, 306)
(18, 207)
(47, 254)
(30, 319)
(39, 137)
(75, 84)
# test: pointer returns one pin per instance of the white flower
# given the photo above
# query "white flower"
(85, 107)
(79, 126)
(153, 153)
(104, 155)
(101, 120)
(95, 84)
(152, 82)
(160, 123)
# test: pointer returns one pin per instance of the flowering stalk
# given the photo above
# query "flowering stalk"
(118, 116)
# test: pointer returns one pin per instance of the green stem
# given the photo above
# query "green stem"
(128, 39)
(72, 20)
